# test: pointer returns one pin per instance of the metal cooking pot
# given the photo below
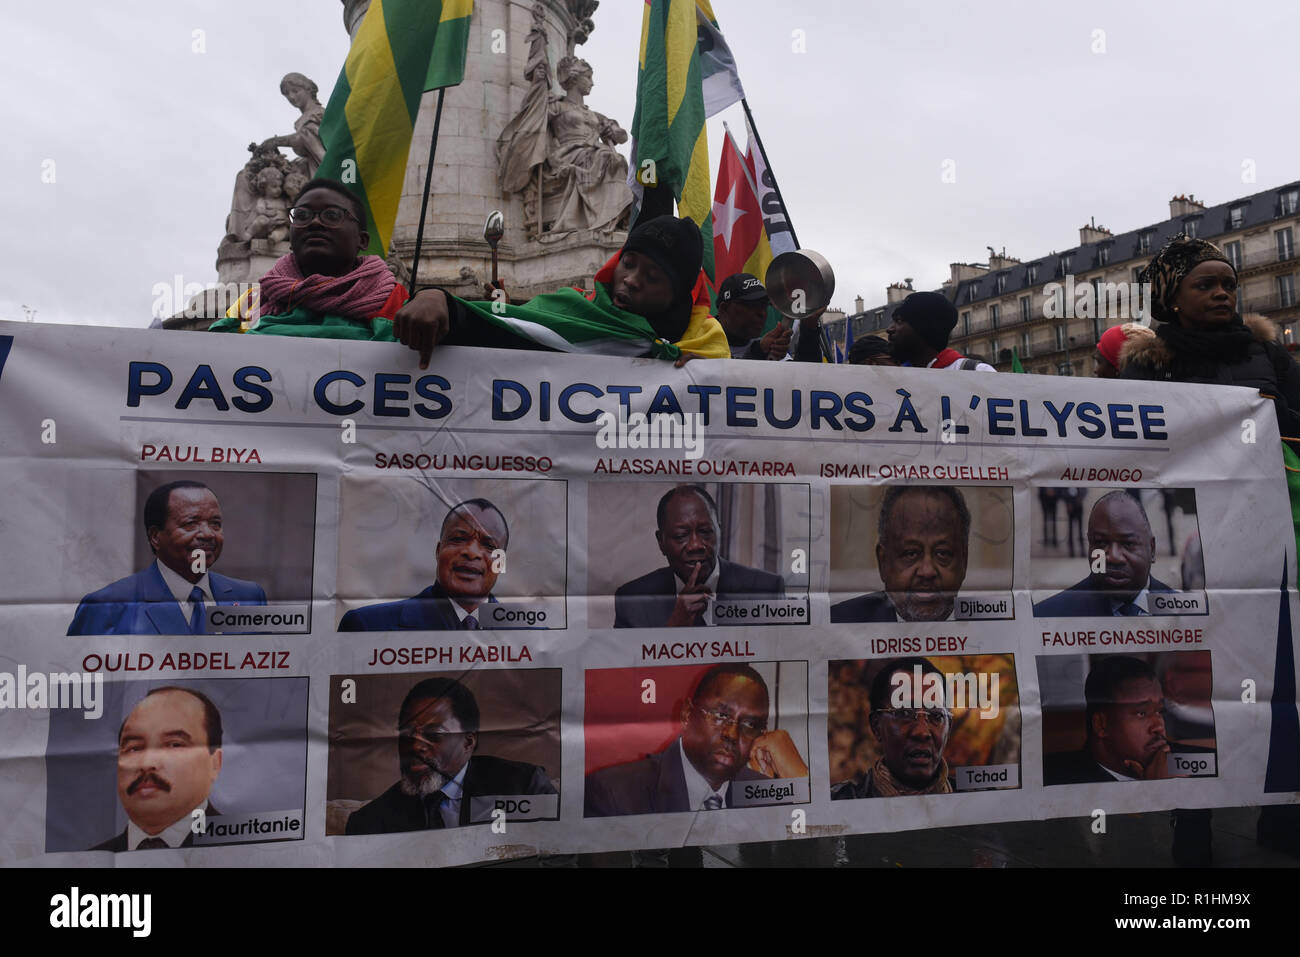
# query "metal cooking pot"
(799, 283)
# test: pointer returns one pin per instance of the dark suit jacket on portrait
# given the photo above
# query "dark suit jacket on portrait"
(647, 602)
(486, 776)
(428, 611)
(654, 785)
(1079, 767)
(1082, 600)
(118, 843)
(873, 607)
(142, 604)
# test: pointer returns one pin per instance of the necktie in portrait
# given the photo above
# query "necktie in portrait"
(196, 617)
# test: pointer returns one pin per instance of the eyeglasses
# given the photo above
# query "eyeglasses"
(434, 738)
(331, 215)
(748, 727)
(934, 717)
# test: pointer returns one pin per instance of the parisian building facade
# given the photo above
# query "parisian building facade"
(1052, 310)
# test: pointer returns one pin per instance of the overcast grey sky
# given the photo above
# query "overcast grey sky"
(146, 135)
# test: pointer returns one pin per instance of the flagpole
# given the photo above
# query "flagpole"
(768, 163)
(428, 181)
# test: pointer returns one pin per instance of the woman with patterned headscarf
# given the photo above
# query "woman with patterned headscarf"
(1201, 337)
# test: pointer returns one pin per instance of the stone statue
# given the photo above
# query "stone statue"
(259, 207)
(581, 11)
(257, 197)
(271, 210)
(305, 139)
(559, 153)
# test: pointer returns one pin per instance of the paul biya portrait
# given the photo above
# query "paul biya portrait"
(910, 727)
(183, 524)
(922, 553)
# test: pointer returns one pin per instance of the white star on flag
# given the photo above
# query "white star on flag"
(726, 215)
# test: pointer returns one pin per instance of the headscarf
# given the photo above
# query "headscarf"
(1171, 265)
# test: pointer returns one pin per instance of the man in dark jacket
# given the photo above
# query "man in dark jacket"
(437, 735)
(1119, 529)
(683, 593)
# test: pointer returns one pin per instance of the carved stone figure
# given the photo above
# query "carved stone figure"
(559, 153)
(250, 191)
(271, 211)
(258, 209)
(305, 139)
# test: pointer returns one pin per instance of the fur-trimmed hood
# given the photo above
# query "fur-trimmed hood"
(1154, 353)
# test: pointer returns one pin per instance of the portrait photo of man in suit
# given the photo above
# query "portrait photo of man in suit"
(1121, 550)
(168, 759)
(722, 723)
(440, 773)
(922, 547)
(911, 739)
(1125, 724)
(682, 594)
(183, 525)
(471, 543)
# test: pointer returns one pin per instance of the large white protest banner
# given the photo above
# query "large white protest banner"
(287, 601)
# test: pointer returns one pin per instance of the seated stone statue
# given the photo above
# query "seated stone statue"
(583, 178)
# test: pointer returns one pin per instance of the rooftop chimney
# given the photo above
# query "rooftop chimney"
(1000, 260)
(897, 292)
(859, 305)
(1182, 205)
(1092, 233)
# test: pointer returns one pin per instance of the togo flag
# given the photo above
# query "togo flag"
(401, 49)
(670, 147)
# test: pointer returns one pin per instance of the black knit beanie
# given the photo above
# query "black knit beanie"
(931, 315)
(675, 247)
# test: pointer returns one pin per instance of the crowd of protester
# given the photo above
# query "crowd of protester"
(650, 299)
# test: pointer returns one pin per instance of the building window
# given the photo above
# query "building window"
(972, 291)
(1144, 242)
(1285, 244)
(1063, 263)
(1024, 345)
(1031, 273)
(1024, 308)
(1236, 217)
(993, 350)
(1103, 255)
(1289, 200)
(1189, 227)
(1001, 281)
(1060, 337)
(994, 315)
(965, 323)
(1285, 291)
(1233, 251)
(1096, 330)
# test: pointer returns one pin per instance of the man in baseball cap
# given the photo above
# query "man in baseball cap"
(742, 310)
(918, 336)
